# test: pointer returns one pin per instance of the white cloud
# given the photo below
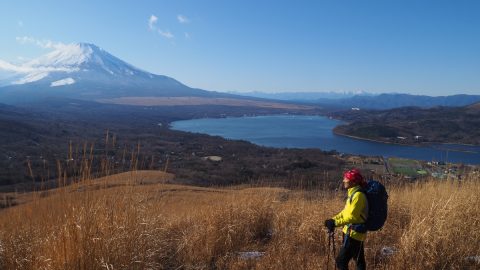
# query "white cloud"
(44, 43)
(21, 69)
(25, 39)
(166, 34)
(152, 21)
(182, 19)
(23, 59)
(152, 24)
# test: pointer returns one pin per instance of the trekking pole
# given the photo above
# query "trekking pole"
(331, 243)
(334, 250)
(328, 250)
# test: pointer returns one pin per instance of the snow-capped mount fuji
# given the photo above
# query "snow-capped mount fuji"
(86, 71)
(85, 57)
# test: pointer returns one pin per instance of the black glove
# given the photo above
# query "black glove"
(330, 224)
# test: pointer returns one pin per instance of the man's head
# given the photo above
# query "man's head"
(352, 178)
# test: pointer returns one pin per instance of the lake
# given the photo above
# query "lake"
(291, 131)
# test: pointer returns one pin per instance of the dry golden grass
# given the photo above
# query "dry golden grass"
(434, 225)
(141, 177)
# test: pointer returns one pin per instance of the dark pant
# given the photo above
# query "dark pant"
(351, 249)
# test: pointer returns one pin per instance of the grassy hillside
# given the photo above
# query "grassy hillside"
(139, 221)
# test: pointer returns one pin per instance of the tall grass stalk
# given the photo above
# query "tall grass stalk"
(135, 220)
(432, 225)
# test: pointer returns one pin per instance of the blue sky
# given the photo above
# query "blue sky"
(421, 47)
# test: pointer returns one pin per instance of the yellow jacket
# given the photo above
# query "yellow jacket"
(355, 212)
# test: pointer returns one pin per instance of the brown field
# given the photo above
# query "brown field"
(139, 221)
(188, 101)
(474, 107)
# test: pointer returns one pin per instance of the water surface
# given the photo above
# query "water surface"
(288, 131)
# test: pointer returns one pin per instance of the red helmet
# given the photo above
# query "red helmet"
(353, 176)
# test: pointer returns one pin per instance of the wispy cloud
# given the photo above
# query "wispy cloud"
(182, 19)
(187, 35)
(42, 43)
(25, 40)
(23, 59)
(166, 34)
(152, 22)
(20, 23)
(152, 25)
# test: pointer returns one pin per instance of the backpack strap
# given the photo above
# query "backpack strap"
(358, 190)
(351, 197)
(347, 235)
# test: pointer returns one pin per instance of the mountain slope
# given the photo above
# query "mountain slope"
(88, 72)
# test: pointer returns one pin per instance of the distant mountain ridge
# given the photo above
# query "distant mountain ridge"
(304, 96)
(366, 100)
(390, 101)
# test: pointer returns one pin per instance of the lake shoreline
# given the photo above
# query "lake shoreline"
(429, 144)
(318, 131)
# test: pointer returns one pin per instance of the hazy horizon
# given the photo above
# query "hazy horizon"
(428, 48)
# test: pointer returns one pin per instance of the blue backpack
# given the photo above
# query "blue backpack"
(377, 207)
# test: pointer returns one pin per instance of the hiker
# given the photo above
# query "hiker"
(354, 214)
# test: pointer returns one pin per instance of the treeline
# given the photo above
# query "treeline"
(45, 140)
(412, 125)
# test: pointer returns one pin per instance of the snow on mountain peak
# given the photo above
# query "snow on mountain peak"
(71, 55)
(70, 58)
(84, 57)
(66, 81)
